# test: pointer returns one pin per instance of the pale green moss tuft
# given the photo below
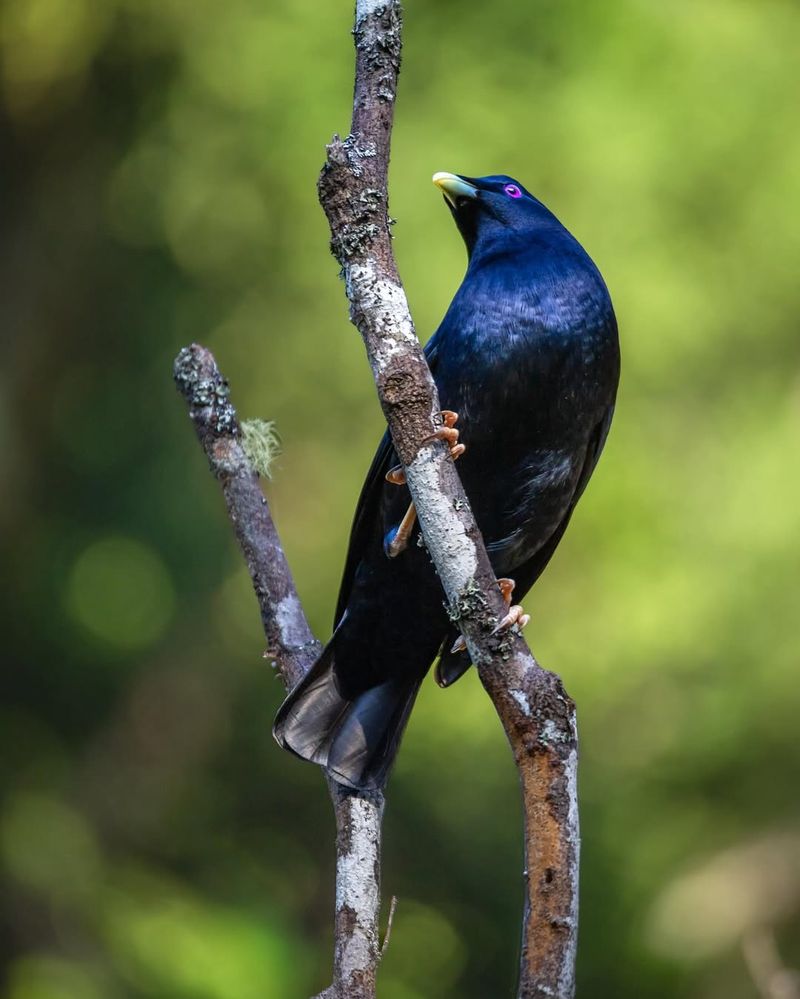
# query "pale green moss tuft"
(261, 444)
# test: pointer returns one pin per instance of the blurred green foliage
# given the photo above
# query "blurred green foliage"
(157, 177)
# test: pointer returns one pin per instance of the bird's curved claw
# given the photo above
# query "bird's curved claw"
(396, 475)
(459, 645)
(516, 616)
(447, 432)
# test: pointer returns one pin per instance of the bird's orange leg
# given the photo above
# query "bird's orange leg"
(399, 542)
(397, 477)
(516, 614)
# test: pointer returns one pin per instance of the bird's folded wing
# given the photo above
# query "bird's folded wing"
(369, 502)
(452, 665)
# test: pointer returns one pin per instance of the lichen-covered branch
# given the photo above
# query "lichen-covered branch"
(538, 717)
(292, 646)
(290, 642)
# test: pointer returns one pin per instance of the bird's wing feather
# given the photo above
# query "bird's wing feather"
(593, 451)
(368, 504)
(451, 666)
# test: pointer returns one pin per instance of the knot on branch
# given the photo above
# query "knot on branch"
(401, 380)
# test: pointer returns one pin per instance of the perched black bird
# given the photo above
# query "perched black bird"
(528, 357)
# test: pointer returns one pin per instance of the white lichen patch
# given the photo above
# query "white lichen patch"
(452, 551)
(367, 150)
(573, 824)
(356, 883)
(290, 621)
(550, 732)
(566, 981)
(364, 8)
(385, 303)
(522, 700)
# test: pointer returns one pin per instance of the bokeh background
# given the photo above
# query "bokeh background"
(158, 162)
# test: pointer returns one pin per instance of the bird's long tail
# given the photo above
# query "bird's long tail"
(353, 734)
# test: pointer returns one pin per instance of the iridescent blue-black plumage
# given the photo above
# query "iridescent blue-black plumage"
(528, 357)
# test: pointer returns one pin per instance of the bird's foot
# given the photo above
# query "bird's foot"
(447, 432)
(515, 615)
(398, 541)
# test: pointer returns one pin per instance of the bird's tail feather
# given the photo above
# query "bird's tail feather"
(451, 665)
(354, 737)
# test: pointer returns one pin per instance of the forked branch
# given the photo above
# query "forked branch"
(538, 716)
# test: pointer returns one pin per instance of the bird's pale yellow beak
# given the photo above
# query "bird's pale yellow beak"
(454, 187)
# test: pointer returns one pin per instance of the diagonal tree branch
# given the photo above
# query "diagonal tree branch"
(290, 642)
(293, 647)
(538, 716)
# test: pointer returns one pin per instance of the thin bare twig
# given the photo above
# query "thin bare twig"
(538, 716)
(292, 645)
(390, 921)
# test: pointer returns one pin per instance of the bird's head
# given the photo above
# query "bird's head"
(487, 208)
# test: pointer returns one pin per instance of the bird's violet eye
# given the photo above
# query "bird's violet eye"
(512, 191)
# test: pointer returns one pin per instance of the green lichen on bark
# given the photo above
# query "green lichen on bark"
(470, 604)
(261, 444)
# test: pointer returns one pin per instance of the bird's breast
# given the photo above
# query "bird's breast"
(504, 369)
